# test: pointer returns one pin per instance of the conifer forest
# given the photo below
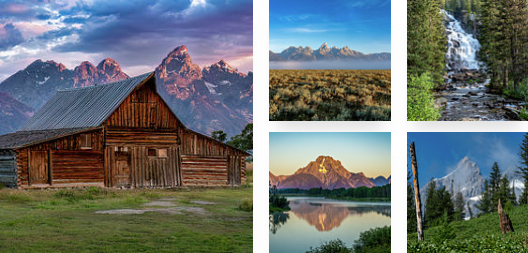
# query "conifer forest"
(467, 60)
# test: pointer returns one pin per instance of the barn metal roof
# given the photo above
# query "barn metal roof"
(83, 107)
(26, 138)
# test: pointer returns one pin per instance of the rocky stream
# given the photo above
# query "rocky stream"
(465, 95)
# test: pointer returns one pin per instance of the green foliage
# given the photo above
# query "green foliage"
(411, 211)
(438, 203)
(359, 192)
(420, 100)
(504, 40)
(243, 141)
(279, 202)
(445, 231)
(374, 240)
(333, 246)
(246, 205)
(426, 43)
(459, 206)
(480, 234)
(485, 202)
(523, 169)
(219, 135)
(523, 113)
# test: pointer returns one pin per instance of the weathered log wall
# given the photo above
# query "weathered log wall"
(141, 170)
(145, 109)
(67, 163)
(8, 168)
(204, 170)
(197, 145)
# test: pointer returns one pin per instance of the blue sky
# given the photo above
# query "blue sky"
(439, 153)
(361, 25)
(369, 153)
(137, 34)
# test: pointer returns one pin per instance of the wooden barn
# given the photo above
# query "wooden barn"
(121, 134)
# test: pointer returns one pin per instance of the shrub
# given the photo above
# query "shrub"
(246, 205)
(279, 201)
(333, 246)
(420, 101)
(374, 240)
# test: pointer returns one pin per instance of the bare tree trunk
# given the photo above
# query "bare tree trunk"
(505, 222)
(417, 200)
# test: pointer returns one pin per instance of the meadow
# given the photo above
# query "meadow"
(329, 95)
(480, 234)
(178, 220)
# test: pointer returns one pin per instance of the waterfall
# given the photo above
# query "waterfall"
(462, 48)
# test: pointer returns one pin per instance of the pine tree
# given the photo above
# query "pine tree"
(494, 184)
(411, 210)
(514, 19)
(504, 192)
(430, 204)
(459, 207)
(484, 204)
(426, 43)
(470, 212)
(523, 170)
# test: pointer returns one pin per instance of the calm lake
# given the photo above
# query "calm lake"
(312, 221)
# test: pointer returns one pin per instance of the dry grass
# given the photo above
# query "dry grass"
(335, 95)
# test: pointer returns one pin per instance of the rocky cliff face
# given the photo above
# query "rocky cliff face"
(324, 172)
(325, 53)
(216, 97)
(466, 178)
(13, 113)
(39, 81)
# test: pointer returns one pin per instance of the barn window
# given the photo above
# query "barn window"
(86, 141)
(151, 152)
(162, 153)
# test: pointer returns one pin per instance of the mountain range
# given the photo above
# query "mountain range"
(467, 178)
(327, 173)
(325, 53)
(216, 97)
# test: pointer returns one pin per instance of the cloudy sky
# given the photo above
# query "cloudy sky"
(137, 34)
(369, 153)
(438, 153)
(362, 25)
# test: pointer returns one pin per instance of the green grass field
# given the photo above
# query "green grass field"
(65, 221)
(478, 235)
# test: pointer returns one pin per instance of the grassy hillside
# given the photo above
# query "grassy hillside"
(180, 220)
(477, 235)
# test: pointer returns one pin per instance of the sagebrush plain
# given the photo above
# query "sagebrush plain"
(330, 95)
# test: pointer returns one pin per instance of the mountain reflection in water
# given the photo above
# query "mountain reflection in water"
(327, 216)
(313, 221)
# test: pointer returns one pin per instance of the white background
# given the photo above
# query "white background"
(398, 126)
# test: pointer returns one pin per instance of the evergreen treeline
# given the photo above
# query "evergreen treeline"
(426, 49)
(504, 40)
(360, 192)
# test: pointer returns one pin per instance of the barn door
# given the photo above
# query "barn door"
(39, 167)
(122, 169)
(234, 177)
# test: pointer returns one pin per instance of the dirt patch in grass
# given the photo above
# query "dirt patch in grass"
(201, 202)
(166, 202)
